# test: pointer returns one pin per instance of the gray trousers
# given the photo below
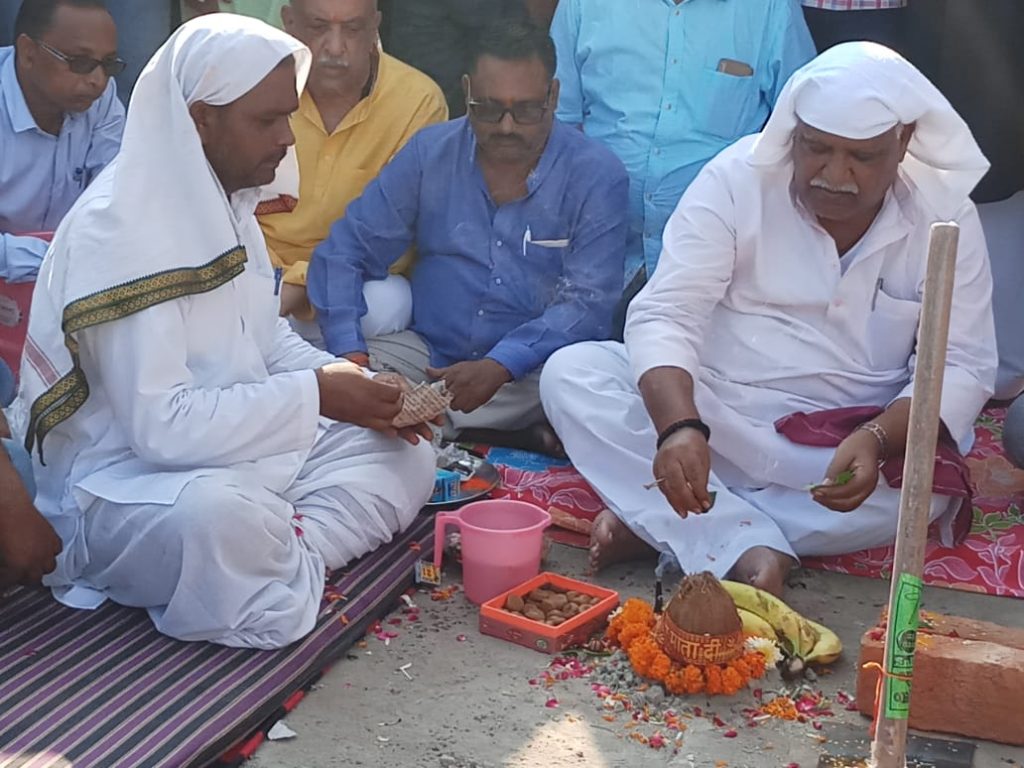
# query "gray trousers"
(515, 406)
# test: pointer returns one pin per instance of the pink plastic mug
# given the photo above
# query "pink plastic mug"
(501, 544)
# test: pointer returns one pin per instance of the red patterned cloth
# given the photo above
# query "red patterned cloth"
(827, 429)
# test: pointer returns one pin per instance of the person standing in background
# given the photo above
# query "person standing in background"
(668, 85)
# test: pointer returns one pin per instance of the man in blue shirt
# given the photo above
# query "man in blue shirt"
(60, 120)
(520, 226)
(668, 84)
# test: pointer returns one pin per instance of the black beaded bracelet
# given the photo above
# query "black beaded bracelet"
(676, 426)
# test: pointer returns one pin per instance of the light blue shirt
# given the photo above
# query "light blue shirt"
(643, 77)
(42, 175)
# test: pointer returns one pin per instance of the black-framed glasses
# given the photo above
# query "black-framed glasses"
(523, 112)
(84, 65)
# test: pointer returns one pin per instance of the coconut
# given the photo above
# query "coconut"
(700, 625)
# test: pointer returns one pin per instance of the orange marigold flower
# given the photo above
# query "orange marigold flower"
(630, 633)
(661, 665)
(732, 681)
(713, 680)
(694, 679)
(756, 664)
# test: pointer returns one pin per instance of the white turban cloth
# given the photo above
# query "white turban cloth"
(861, 90)
(156, 224)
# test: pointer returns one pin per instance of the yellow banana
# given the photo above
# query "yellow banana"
(828, 648)
(800, 637)
(755, 625)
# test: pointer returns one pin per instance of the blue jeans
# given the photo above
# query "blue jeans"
(22, 464)
(1013, 432)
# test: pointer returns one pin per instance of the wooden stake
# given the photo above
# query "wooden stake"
(889, 747)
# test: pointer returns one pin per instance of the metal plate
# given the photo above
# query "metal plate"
(484, 471)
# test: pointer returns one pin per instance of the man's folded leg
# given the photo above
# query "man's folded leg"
(357, 489)
(223, 563)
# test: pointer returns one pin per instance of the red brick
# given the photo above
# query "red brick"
(968, 681)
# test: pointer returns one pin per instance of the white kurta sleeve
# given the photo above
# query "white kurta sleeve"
(971, 356)
(169, 420)
(290, 352)
(666, 321)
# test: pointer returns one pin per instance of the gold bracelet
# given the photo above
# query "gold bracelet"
(879, 432)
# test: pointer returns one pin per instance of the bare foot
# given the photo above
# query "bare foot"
(764, 568)
(611, 541)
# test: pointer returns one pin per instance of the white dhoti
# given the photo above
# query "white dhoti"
(388, 311)
(588, 394)
(240, 565)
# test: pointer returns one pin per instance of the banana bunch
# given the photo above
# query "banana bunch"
(765, 615)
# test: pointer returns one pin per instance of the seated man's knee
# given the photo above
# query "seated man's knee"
(568, 367)
(388, 306)
(212, 511)
(418, 470)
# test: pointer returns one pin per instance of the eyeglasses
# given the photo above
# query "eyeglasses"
(523, 112)
(84, 65)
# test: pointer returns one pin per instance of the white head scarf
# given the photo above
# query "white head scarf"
(861, 90)
(156, 224)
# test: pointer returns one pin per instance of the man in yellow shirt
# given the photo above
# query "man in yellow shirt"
(360, 107)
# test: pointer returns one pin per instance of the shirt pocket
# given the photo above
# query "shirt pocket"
(726, 103)
(543, 268)
(892, 331)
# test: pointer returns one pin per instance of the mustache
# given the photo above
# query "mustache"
(329, 62)
(507, 138)
(843, 189)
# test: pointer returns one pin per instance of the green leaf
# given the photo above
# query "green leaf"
(843, 478)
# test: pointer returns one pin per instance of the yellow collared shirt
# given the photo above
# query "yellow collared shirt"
(334, 169)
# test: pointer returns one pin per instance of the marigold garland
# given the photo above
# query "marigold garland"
(631, 629)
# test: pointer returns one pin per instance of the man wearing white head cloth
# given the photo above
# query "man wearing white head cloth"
(196, 457)
(768, 365)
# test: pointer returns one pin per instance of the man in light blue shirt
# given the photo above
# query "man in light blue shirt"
(60, 121)
(519, 223)
(667, 84)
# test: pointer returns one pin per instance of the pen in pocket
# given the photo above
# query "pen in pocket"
(278, 275)
(874, 299)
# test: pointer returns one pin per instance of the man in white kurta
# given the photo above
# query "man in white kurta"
(790, 281)
(180, 430)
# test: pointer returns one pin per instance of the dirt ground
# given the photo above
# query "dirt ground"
(470, 701)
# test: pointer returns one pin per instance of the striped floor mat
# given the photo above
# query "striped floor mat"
(103, 689)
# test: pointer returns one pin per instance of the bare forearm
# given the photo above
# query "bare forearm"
(895, 421)
(668, 396)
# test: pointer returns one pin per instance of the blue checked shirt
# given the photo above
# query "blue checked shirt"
(643, 76)
(513, 282)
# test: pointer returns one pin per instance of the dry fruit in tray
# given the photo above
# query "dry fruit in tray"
(550, 605)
